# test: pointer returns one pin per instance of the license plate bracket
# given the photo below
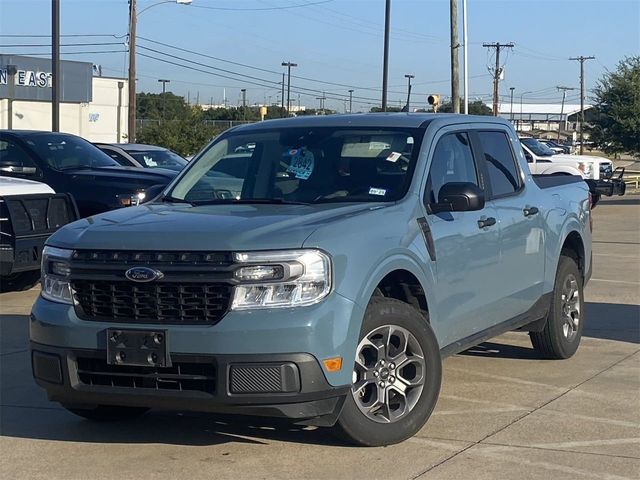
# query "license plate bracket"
(142, 348)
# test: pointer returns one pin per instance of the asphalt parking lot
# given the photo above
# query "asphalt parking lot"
(502, 413)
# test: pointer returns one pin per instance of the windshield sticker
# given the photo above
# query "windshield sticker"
(394, 156)
(381, 192)
(302, 163)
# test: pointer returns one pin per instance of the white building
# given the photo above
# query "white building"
(95, 108)
(541, 116)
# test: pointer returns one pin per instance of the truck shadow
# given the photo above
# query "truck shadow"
(606, 321)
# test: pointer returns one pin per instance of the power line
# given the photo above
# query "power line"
(258, 9)
(23, 45)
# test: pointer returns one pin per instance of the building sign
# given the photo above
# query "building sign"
(32, 79)
(26, 78)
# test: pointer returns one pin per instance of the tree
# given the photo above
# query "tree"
(615, 127)
(475, 108)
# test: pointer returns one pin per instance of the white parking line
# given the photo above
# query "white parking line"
(613, 281)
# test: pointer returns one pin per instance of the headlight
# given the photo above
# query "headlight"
(55, 274)
(130, 199)
(586, 168)
(289, 278)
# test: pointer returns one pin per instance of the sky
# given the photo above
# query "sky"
(226, 45)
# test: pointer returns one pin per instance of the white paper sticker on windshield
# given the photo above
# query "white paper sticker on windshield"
(394, 156)
(377, 191)
(302, 163)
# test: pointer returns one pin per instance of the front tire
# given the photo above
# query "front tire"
(396, 379)
(561, 335)
(107, 413)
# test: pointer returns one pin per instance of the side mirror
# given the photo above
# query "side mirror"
(153, 192)
(18, 170)
(459, 197)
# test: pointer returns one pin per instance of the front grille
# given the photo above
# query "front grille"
(182, 376)
(164, 302)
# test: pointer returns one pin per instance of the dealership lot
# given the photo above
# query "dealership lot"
(502, 412)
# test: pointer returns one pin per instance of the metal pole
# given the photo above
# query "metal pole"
(385, 60)
(289, 65)
(119, 113)
(350, 101)
(465, 59)
(11, 87)
(511, 110)
(132, 71)
(55, 65)
(282, 94)
(564, 94)
(455, 68)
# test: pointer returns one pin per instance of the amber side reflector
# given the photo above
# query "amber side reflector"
(332, 364)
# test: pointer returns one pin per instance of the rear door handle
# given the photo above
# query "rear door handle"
(486, 222)
(528, 211)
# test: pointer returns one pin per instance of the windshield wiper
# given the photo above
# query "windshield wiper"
(169, 198)
(231, 201)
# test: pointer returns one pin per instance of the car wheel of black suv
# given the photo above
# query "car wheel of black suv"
(561, 335)
(396, 377)
(107, 413)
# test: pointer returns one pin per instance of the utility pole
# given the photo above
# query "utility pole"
(385, 58)
(409, 77)
(322, 99)
(455, 68)
(465, 42)
(56, 76)
(282, 95)
(244, 103)
(564, 95)
(350, 101)
(511, 110)
(289, 65)
(498, 71)
(582, 59)
(164, 96)
(132, 70)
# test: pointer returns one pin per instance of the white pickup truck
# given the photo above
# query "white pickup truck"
(543, 160)
(29, 212)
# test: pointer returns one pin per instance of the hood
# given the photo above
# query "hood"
(18, 186)
(138, 175)
(212, 227)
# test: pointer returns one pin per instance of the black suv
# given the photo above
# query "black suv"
(70, 164)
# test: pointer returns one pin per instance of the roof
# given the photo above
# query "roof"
(24, 133)
(368, 120)
(131, 147)
(540, 108)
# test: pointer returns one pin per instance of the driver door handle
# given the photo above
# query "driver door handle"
(528, 211)
(486, 222)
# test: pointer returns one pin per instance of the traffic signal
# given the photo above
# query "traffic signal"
(434, 101)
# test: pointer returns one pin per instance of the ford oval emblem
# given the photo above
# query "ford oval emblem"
(143, 274)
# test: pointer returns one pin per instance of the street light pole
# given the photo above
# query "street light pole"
(164, 96)
(409, 77)
(289, 65)
(521, 97)
(133, 23)
(350, 101)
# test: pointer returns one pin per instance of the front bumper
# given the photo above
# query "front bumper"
(207, 383)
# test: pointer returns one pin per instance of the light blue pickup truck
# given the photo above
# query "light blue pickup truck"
(317, 269)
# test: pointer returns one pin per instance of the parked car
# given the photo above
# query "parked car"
(556, 147)
(29, 212)
(143, 156)
(543, 160)
(362, 249)
(70, 164)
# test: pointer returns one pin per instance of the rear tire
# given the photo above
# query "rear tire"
(561, 335)
(107, 413)
(397, 376)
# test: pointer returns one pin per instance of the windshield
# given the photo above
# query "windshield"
(310, 165)
(158, 159)
(536, 147)
(66, 152)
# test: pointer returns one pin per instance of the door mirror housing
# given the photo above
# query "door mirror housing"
(9, 167)
(459, 197)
